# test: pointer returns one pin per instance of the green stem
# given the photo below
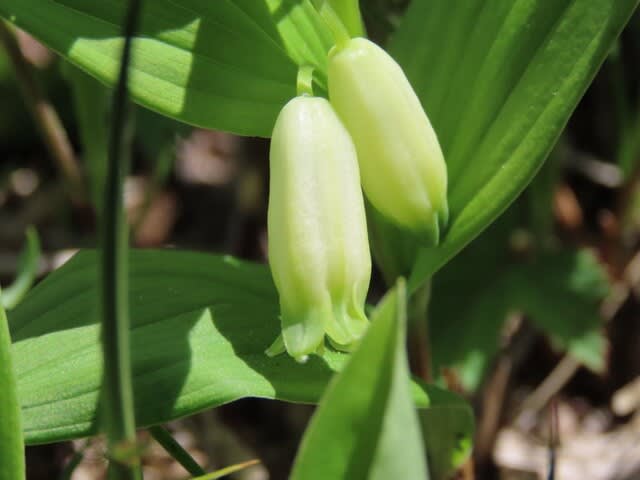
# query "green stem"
(173, 448)
(228, 470)
(12, 465)
(418, 333)
(119, 419)
(304, 82)
(27, 271)
(73, 462)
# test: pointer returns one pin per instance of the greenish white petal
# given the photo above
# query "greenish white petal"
(401, 164)
(318, 244)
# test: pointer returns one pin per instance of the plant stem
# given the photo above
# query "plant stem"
(27, 271)
(304, 82)
(12, 464)
(418, 334)
(173, 448)
(73, 462)
(45, 116)
(228, 470)
(119, 420)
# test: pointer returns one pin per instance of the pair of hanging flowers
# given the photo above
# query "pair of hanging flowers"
(372, 135)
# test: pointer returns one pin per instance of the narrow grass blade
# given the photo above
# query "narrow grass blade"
(27, 271)
(173, 448)
(117, 388)
(227, 470)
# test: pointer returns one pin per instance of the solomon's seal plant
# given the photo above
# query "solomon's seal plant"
(402, 167)
(318, 245)
(186, 331)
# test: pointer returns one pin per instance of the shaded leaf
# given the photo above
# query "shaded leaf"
(560, 293)
(448, 436)
(199, 327)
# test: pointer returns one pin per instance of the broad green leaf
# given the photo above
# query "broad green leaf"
(224, 64)
(499, 81)
(559, 292)
(470, 275)
(27, 271)
(366, 426)
(200, 326)
(12, 465)
(448, 436)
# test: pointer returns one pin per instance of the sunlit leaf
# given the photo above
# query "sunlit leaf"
(366, 425)
(12, 464)
(224, 64)
(499, 81)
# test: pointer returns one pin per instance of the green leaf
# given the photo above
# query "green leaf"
(224, 64)
(27, 271)
(499, 83)
(366, 426)
(349, 12)
(559, 292)
(448, 436)
(199, 327)
(12, 465)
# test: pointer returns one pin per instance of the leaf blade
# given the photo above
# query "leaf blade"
(200, 325)
(498, 128)
(366, 425)
(12, 463)
(229, 65)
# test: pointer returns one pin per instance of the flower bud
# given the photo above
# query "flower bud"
(318, 244)
(402, 167)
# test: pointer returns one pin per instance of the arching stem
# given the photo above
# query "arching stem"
(304, 83)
